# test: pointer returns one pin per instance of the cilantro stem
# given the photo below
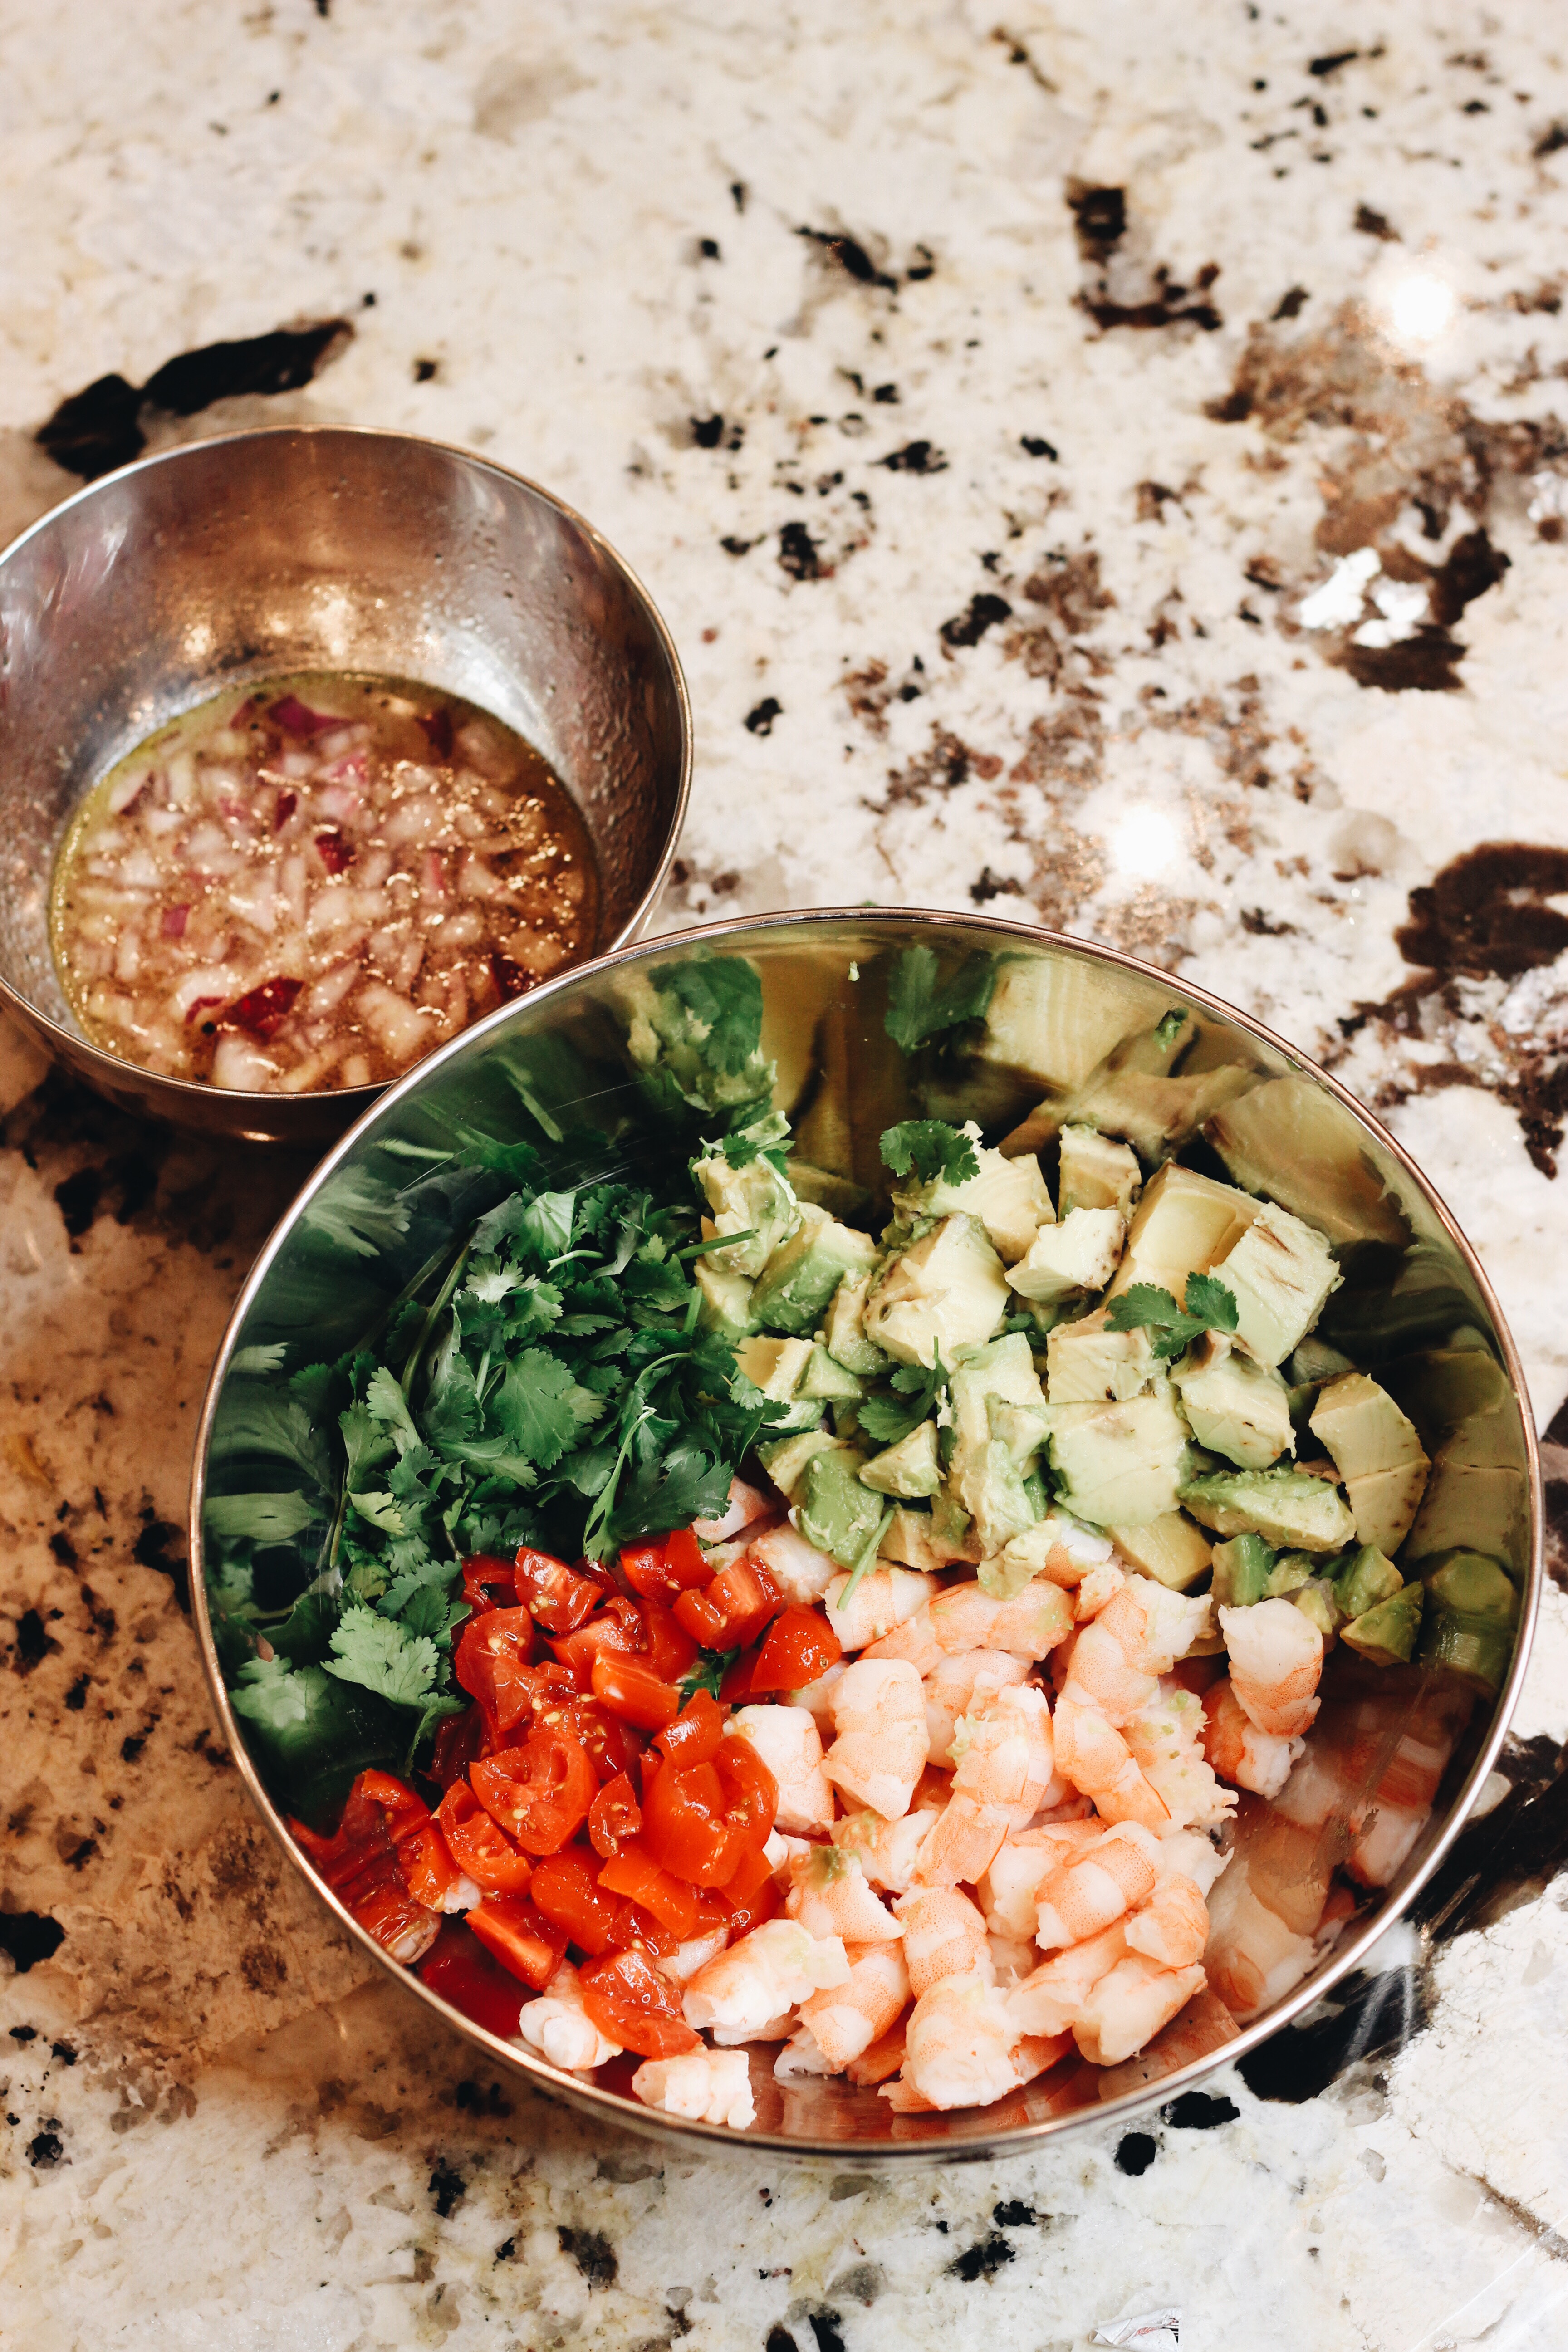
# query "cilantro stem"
(865, 1557)
(432, 1315)
(718, 1241)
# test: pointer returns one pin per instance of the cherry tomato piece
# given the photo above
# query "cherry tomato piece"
(736, 1687)
(387, 1863)
(701, 1820)
(387, 1911)
(489, 1583)
(631, 1690)
(617, 1627)
(560, 1598)
(663, 1642)
(491, 1663)
(527, 1944)
(693, 1738)
(800, 1645)
(613, 1816)
(752, 1872)
(634, 1872)
(766, 1904)
(566, 1889)
(462, 1971)
(645, 1569)
(460, 1738)
(636, 2004)
(732, 1611)
(686, 1562)
(478, 1847)
(540, 1793)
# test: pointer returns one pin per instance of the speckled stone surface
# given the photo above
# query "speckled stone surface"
(1107, 463)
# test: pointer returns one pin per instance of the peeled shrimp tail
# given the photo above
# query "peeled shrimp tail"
(1116, 1875)
(1239, 1751)
(1172, 1927)
(944, 1935)
(1276, 1658)
(846, 2020)
(964, 2049)
(706, 2086)
(1129, 2005)
(878, 1708)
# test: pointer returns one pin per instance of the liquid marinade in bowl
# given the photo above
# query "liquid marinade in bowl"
(311, 882)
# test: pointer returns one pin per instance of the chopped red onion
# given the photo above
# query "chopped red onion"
(173, 926)
(334, 852)
(287, 805)
(296, 719)
(262, 1010)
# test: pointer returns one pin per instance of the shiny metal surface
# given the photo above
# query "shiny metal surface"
(1413, 1282)
(325, 548)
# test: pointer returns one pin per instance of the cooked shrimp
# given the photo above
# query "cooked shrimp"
(1031, 1623)
(829, 1896)
(706, 2086)
(745, 1506)
(1098, 1589)
(1013, 1957)
(914, 1640)
(1058, 1548)
(817, 1698)
(683, 1963)
(802, 1573)
(1084, 1894)
(1165, 1740)
(1239, 1751)
(1052, 1999)
(762, 1978)
(1009, 1892)
(558, 2027)
(1004, 1772)
(1276, 1658)
(882, 2060)
(1252, 1957)
(956, 1686)
(879, 1710)
(963, 2048)
(1118, 1656)
(1129, 2005)
(1196, 2031)
(844, 2022)
(884, 1597)
(1172, 1926)
(944, 1935)
(886, 1851)
(788, 1741)
(1092, 1755)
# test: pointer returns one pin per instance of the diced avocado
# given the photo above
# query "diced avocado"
(1097, 1173)
(726, 1299)
(1079, 1255)
(774, 1366)
(1008, 1196)
(1089, 1364)
(1471, 1611)
(1290, 1572)
(1184, 1223)
(1365, 1579)
(1280, 1272)
(834, 1511)
(845, 1330)
(1243, 1569)
(946, 1291)
(1476, 1495)
(908, 1469)
(1291, 1138)
(1386, 1633)
(1118, 1465)
(825, 1379)
(999, 1416)
(799, 1279)
(1287, 1507)
(839, 1195)
(1170, 1548)
(785, 1458)
(1003, 1370)
(1052, 1018)
(1377, 1454)
(1315, 1599)
(1236, 1407)
(753, 1199)
(1135, 1092)
(929, 1540)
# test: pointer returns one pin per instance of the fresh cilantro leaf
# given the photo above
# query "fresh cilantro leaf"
(886, 1419)
(547, 1223)
(743, 1143)
(305, 1632)
(387, 1405)
(706, 1673)
(254, 1363)
(270, 1424)
(723, 995)
(1211, 1301)
(358, 1212)
(1211, 1307)
(932, 1149)
(920, 1007)
(542, 1408)
(489, 1279)
(377, 1653)
(382, 1510)
(365, 1442)
(258, 1519)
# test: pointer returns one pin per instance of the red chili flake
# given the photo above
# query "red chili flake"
(200, 1006)
(511, 978)
(297, 718)
(173, 924)
(437, 730)
(264, 1009)
(287, 805)
(336, 853)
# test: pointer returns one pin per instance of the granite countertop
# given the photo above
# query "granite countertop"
(1106, 466)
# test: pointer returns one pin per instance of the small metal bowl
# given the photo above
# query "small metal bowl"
(225, 561)
(384, 1209)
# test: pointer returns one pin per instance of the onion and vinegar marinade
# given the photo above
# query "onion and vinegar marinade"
(314, 883)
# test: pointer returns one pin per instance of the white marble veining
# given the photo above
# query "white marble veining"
(1154, 743)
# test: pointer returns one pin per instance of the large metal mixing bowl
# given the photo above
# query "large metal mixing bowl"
(230, 560)
(1414, 1307)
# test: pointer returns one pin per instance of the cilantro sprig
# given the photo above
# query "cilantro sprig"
(921, 1005)
(931, 1148)
(886, 1419)
(1209, 1305)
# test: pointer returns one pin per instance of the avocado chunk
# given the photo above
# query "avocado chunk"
(1079, 1255)
(1471, 1611)
(929, 1540)
(1475, 1497)
(1136, 1093)
(1365, 1579)
(1290, 1572)
(1089, 1364)
(800, 1277)
(1315, 1599)
(1289, 1508)
(785, 1458)
(1280, 1272)
(1377, 1454)
(909, 1469)
(1243, 1572)
(1119, 1464)
(946, 1291)
(845, 1330)
(836, 1513)
(1182, 1224)
(1170, 1548)
(1290, 1139)
(755, 1200)
(777, 1368)
(1008, 1196)
(1236, 1407)
(1386, 1633)
(1052, 1018)
(726, 1299)
(1097, 1173)
(1314, 1362)
(999, 1417)
(825, 1379)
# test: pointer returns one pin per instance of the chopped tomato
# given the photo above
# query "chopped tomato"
(616, 1627)
(636, 2004)
(701, 1820)
(559, 1597)
(685, 1561)
(386, 1910)
(566, 1889)
(463, 1972)
(478, 1846)
(736, 1687)
(525, 1943)
(634, 1872)
(386, 1861)
(646, 1571)
(752, 1872)
(800, 1645)
(540, 1793)
(485, 1577)
(663, 1642)
(491, 1663)
(693, 1738)
(613, 1816)
(630, 1689)
(733, 1610)
(460, 1738)
(766, 1904)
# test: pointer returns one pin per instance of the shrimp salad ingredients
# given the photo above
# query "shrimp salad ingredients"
(931, 1655)
(314, 884)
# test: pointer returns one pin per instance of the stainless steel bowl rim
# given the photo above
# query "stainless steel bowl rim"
(113, 1065)
(1019, 2139)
